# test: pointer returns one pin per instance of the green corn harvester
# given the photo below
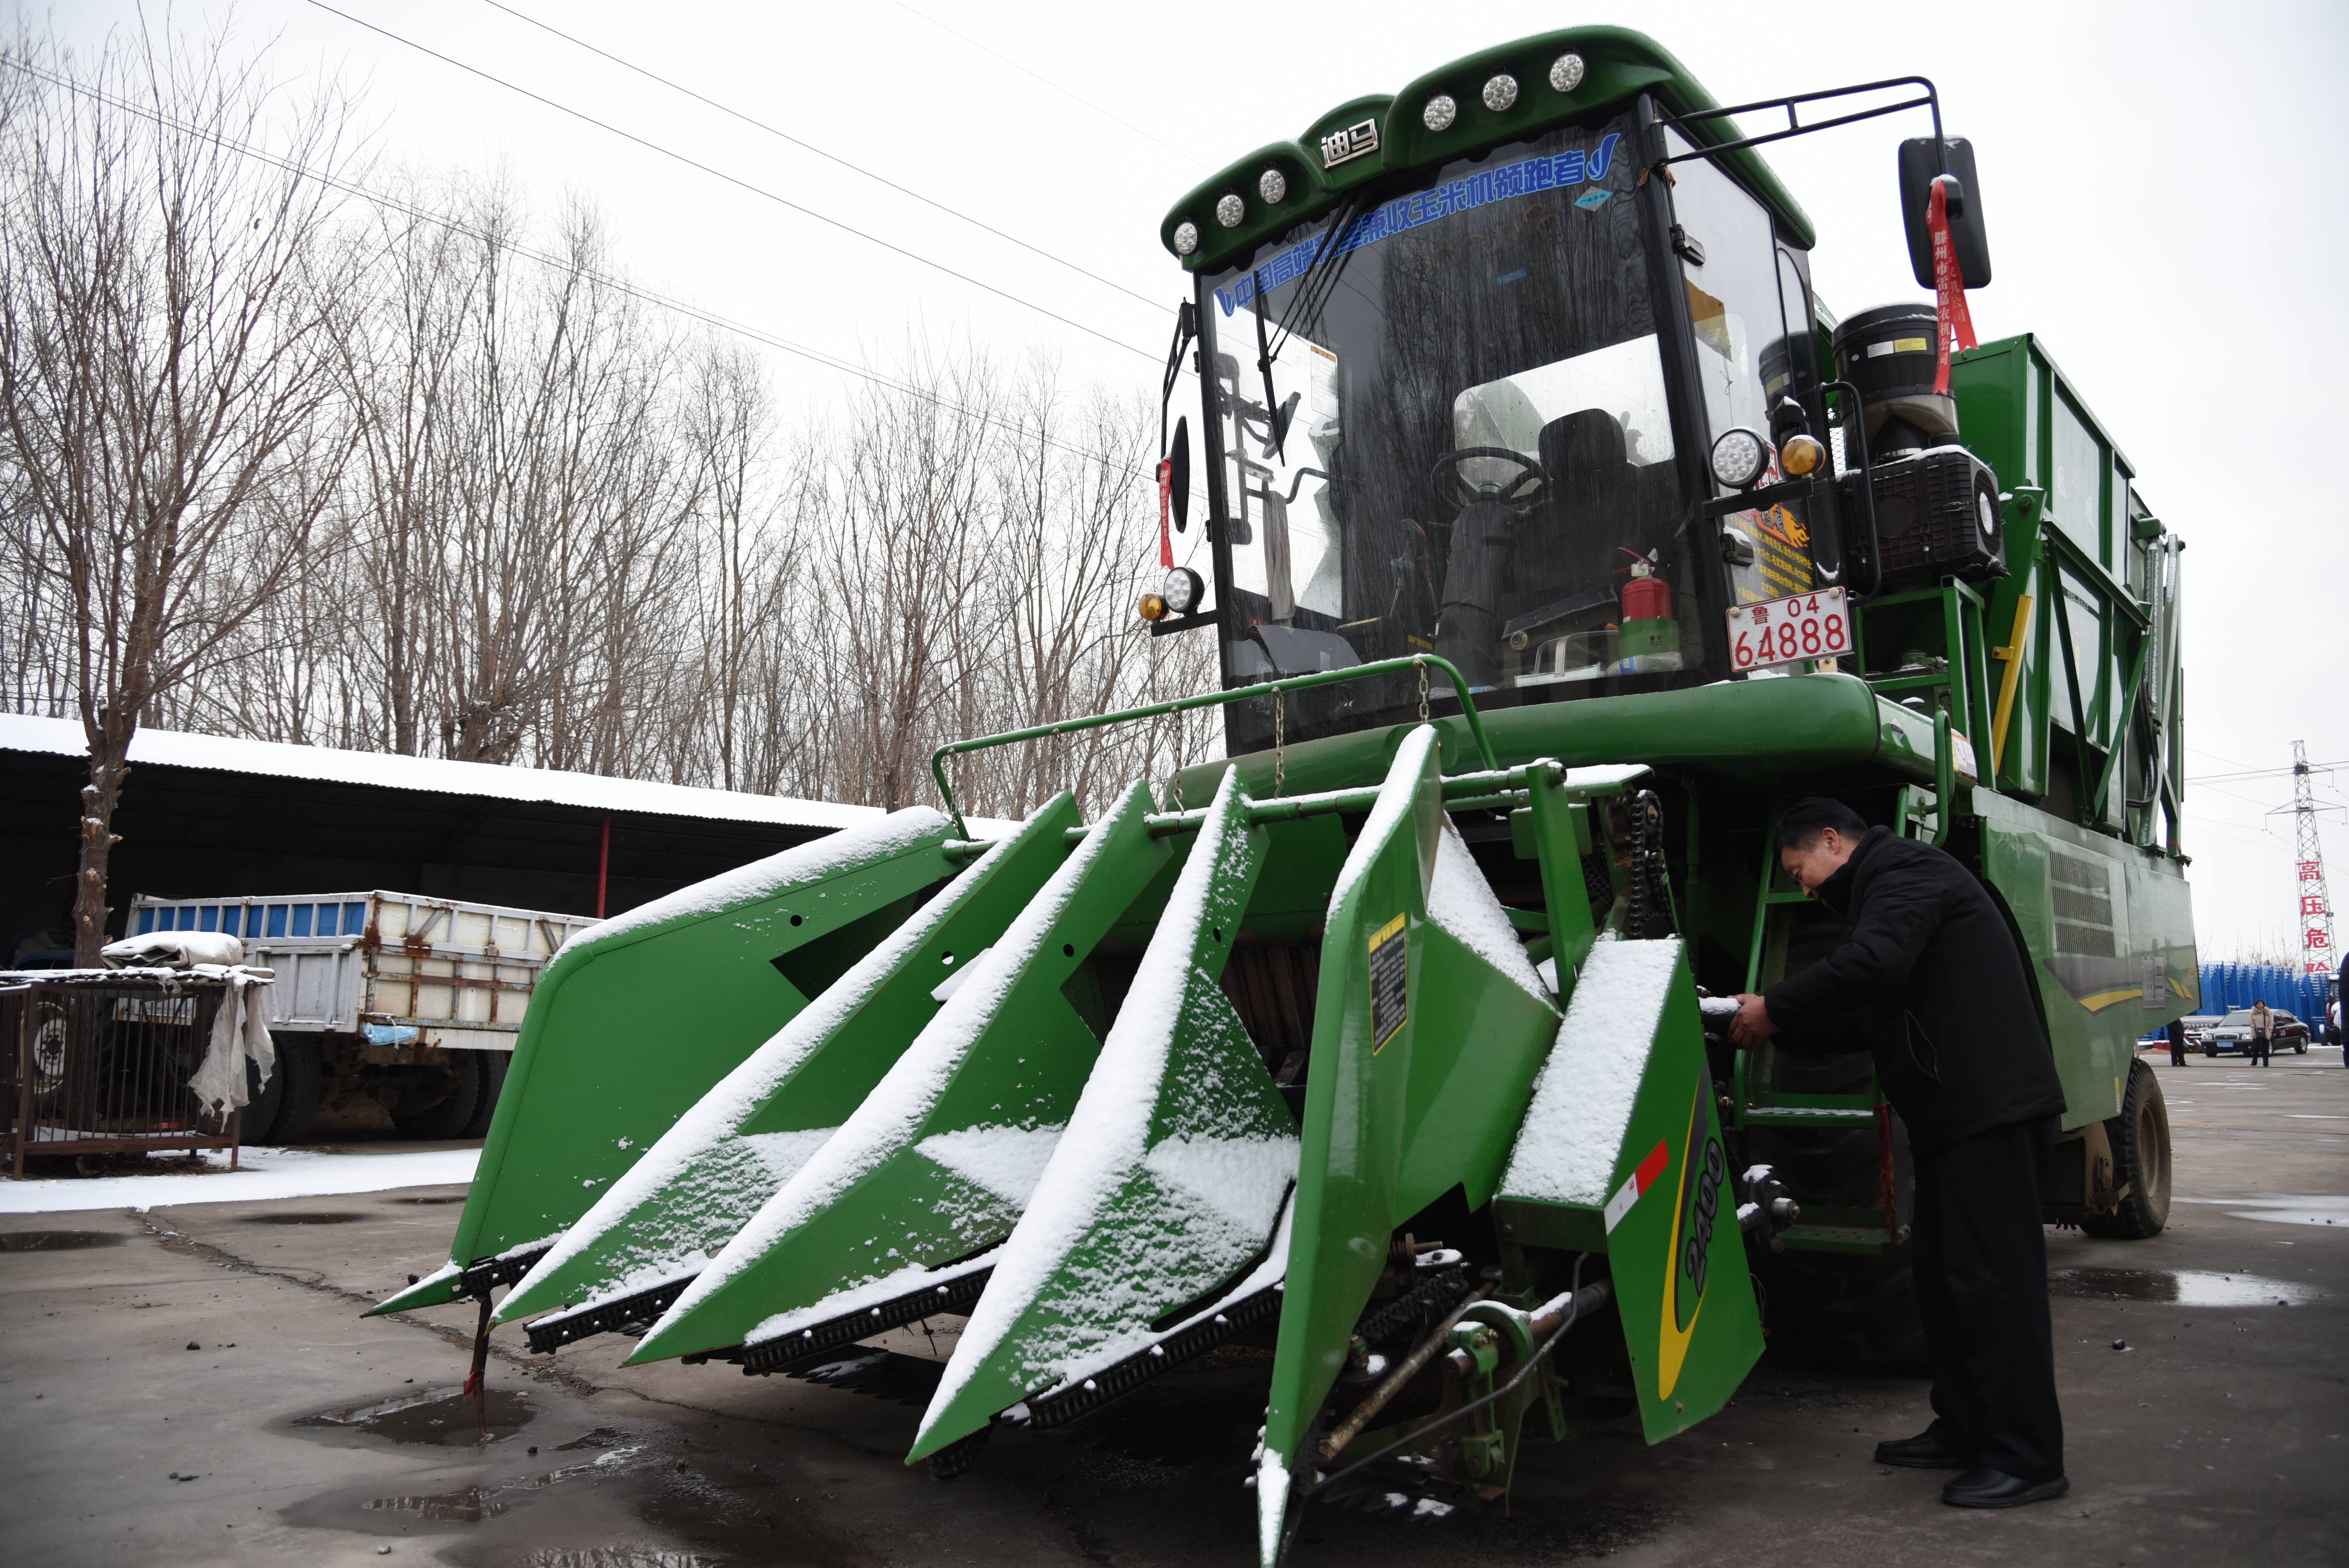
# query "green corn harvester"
(1385, 1046)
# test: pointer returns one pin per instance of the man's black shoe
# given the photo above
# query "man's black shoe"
(1923, 1451)
(1988, 1487)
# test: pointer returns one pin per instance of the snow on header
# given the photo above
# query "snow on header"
(1462, 902)
(820, 858)
(1582, 1103)
(1392, 804)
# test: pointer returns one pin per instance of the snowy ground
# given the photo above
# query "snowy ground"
(264, 1173)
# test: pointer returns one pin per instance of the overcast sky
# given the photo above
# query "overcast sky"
(2162, 190)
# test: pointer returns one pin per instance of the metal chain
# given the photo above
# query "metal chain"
(1280, 744)
(1422, 665)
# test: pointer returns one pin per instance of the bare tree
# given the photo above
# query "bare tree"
(164, 373)
(437, 478)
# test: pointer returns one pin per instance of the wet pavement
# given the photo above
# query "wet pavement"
(194, 1385)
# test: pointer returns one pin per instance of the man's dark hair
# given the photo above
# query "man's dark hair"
(1800, 827)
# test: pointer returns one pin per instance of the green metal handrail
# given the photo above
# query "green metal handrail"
(1216, 699)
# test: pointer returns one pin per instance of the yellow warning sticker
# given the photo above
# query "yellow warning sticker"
(1389, 963)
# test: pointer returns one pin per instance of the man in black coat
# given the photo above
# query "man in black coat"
(1931, 977)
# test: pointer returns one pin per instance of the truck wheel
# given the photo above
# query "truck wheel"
(2141, 1140)
(262, 1103)
(448, 1116)
(297, 1084)
(494, 1080)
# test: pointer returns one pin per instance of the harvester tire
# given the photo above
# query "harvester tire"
(2141, 1141)
(294, 1092)
(446, 1118)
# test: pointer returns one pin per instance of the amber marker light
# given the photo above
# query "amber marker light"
(1802, 457)
(1151, 607)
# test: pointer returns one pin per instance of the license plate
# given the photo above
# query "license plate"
(1780, 631)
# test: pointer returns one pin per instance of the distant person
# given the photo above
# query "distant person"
(2177, 1042)
(2262, 1032)
(1930, 973)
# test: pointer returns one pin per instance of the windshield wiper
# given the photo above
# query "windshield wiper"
(1305, 302)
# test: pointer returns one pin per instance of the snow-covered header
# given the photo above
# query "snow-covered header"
(433, 775)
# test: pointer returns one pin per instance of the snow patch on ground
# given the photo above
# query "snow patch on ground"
(813, 861)
(1566, 1149)
(266, 1174)
(1463, 902)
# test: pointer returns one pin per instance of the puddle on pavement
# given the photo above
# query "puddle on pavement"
(2283, 1208)
(440, 1416)
(55, 1240)
(469, 1505)
(616, 1557)
(321, 1217)
(2185, 1287)
(428, 1202)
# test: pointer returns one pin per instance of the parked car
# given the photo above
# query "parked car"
(2197, 1028)
(2233, 1033)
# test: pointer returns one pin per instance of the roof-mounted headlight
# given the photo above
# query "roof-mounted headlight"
(1739, 459)
(1186, 237)
(1440, 112)
(1182, 591)
(1230, 211)
(1500, 92)
(1566, 72)
(1273, 186)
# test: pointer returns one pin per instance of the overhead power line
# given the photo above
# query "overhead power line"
(2263, 773)
(807, 146)
(1073, 97)
(733, 180)
(612, 280)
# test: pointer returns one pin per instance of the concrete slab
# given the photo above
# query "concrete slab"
(2217, 1436)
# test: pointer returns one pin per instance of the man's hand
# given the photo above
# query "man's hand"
(1751, 1026)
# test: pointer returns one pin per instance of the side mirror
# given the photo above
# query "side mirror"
(1967, 235)
(1178, 472)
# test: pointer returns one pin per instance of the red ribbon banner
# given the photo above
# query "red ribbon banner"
(1949, 286)
(1166, 511)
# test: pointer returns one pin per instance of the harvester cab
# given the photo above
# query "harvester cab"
(1547, 560)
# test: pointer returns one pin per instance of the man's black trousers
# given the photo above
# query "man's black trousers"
(1981, 1259)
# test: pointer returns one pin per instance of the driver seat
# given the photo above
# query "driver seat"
(1594, 505)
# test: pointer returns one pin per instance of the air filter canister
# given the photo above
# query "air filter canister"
(1888, 353)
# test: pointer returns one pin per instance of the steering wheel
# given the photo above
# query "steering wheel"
(1531, 483)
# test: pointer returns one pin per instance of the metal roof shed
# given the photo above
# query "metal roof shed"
(205, 815)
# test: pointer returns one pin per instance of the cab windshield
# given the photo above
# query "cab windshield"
(1467, 443)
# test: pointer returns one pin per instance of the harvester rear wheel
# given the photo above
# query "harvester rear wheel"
(2141, 1140)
